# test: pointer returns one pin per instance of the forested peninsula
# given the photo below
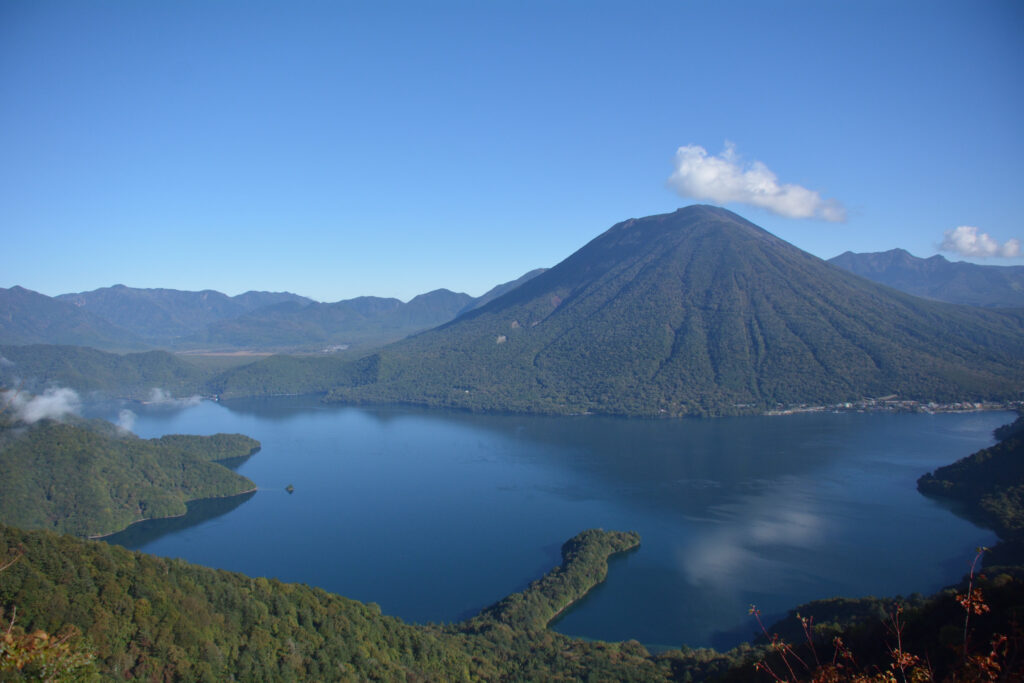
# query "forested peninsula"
(990, 486)
(146, 617)
(88, 478)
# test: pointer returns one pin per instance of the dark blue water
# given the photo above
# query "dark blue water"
(435, 515)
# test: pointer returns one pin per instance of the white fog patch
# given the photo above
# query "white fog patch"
(727, 178)
(162, 397)
(126, 420)
(966, 240)
(52, 404)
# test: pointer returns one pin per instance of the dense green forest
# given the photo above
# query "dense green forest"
(129, 615)
(132, 375)
(28, 317)
(157, 619)
(88, 478)
(990, 486)
(698, 312)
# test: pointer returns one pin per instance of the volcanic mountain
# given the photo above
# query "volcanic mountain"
(695, 312)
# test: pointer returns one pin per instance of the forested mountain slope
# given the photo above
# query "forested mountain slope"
(151, 618)
(36, 367)
(88, 478)
(696, 312)
(162, 316)
(355, 323)
(28, 317)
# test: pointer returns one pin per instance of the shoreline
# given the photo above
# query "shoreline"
(99, 537)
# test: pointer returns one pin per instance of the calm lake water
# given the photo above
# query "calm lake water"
(434, 515)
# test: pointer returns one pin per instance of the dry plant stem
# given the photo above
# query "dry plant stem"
(807, 625)
(781, 647)
(14, 615)
(972, 602)
(900, 658)
(14, 611)
(12, 560)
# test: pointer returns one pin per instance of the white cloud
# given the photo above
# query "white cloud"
(726, 178)
(733, 549)
(126, 420)
(52, 404)
(164, 398)
(967, 241)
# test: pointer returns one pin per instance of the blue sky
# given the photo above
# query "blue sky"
(337, 149)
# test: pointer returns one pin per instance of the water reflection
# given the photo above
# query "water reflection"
(739, 533)
(199, 512)
(774, 511)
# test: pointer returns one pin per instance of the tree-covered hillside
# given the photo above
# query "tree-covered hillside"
(697, 312)
(990, 483)
(37, 367)
(28, 317)
(90, 479)
(150, 618)
(355, 324)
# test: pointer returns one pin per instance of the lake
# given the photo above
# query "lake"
(434, 515)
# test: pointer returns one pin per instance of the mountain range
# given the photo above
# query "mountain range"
(123, 319)
(28, 317)
(695, 312)
(161, 317)
(937, 278)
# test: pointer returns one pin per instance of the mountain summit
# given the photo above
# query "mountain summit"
(695, 312)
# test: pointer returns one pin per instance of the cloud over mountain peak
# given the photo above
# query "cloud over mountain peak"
(727, 178)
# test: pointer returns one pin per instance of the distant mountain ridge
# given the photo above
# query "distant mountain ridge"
(161, 317)
(695, 312)
(355, 323)
(939, 279)
(121, 318)
(28, 317)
